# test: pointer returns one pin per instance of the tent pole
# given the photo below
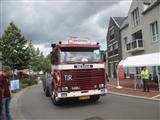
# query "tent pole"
(159, 82)
(118, 86)
(135, 81)
(158, 74)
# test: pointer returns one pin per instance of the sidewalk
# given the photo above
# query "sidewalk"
(128, 89)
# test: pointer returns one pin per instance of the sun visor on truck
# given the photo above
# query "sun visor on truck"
(78, 48)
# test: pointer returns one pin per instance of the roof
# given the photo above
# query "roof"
(151, 59)
(125, 23)
(118, 20)
(156, 3)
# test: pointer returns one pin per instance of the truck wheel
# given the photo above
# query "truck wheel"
(46, 91)
(54, 101)
(95, 98)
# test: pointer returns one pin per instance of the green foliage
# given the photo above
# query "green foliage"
(16, 50)
(39, 62)
(26, 82)
(13, 47)
(47, 64)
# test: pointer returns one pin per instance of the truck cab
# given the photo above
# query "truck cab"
(78, 71)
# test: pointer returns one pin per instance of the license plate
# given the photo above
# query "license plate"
(84, 97)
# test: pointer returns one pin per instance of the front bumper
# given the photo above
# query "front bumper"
(81, 93)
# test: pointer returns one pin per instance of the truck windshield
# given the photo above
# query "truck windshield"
(80, 56)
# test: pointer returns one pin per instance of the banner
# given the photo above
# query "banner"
(14, 84)
(120, 72)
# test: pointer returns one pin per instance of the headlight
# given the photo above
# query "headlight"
(101, 85)
(64, 89)
(95, 86)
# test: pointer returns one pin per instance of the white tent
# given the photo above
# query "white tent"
(152, 59)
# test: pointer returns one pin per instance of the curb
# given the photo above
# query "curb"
(133, 96)
(15, 105)
(127, 88)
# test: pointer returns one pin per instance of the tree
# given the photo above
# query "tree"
(19, 53)
(13, 47)
(47, 64)
(38, 62)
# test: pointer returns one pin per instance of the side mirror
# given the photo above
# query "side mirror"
(104, 58)
(52, 60)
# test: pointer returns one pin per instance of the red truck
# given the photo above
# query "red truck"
(78, 71)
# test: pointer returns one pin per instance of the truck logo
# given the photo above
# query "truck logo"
(67, 77)
(83, 66)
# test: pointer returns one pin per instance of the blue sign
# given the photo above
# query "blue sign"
(14, 84)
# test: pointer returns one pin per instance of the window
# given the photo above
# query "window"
(158, 69)
(115, 46)
(112, 31)
(80, 56)
(111, 34)
(154, 31)
(110, 48)
(135, 16)
(154, 70)
(125, 40)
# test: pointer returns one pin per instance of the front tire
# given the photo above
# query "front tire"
(54, 100)
(46, 91)
(95, 98)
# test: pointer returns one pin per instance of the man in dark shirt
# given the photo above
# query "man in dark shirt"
(6, 92)
(1, 89)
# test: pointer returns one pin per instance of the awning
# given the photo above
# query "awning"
(152, 59)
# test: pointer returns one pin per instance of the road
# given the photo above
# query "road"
(33, 105)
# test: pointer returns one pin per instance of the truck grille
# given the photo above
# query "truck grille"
(85, 79)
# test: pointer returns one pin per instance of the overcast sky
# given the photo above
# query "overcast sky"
(45, 21)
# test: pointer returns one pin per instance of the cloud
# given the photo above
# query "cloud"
(45, 22)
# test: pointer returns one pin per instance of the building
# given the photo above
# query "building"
(140, 32)
(136, 34)
(114, 50)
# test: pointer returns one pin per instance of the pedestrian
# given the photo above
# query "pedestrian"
(1, 97)
(6, 92)
(145, 77)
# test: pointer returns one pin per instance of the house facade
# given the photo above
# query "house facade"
(114, 50)
(136, 34)
(140, 32)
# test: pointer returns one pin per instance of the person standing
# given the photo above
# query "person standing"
(145, 77)
(6, 91)
(1, 96)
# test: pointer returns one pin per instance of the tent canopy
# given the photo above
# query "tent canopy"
(152, 59)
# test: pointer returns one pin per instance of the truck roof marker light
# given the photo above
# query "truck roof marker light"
(53, 45)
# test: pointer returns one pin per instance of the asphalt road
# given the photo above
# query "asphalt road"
(31, 104)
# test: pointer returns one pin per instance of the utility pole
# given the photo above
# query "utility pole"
(30, 63)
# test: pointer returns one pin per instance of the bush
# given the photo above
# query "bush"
(43, 77)
(27, 82)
